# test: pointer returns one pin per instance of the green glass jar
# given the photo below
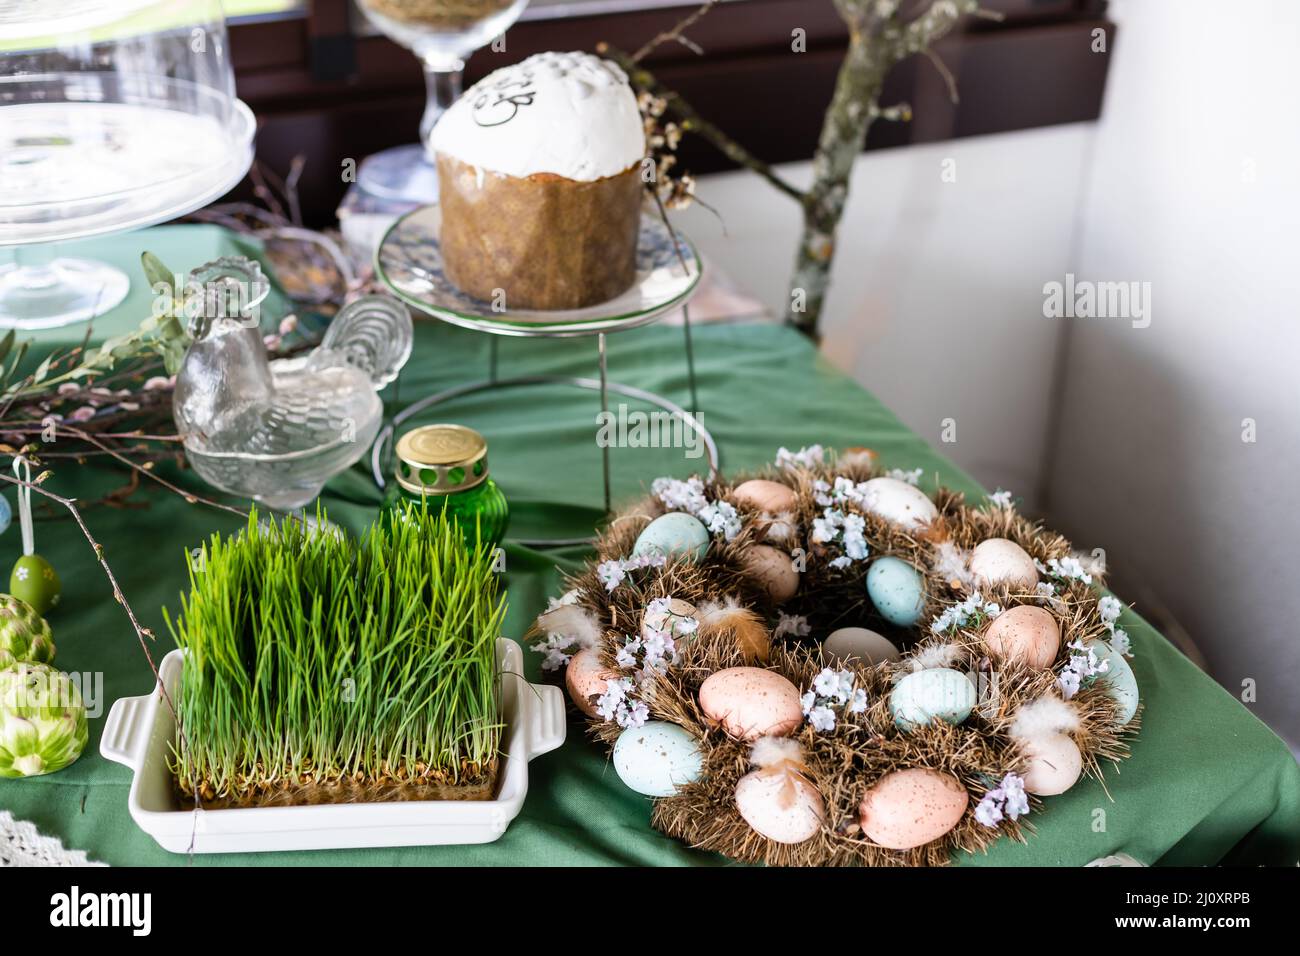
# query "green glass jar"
(447, 465)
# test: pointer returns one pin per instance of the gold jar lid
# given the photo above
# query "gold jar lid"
(441, 459)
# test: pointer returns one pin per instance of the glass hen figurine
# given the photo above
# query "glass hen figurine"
(276, 431)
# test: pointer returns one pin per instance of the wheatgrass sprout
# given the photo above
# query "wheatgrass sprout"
(320, 670)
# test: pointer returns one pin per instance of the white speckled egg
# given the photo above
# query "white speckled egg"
(783, 807)
(940, 693)
(676, 534)
(910, 808)
(585, 679)
(1024, 633)
(899, 503)
(897, 590)
(999, 561)
(749, 702)
(764, 495)
(774, 569)
(1119, 680)
(657, 758)
(859, 644)
(1054, 764)
(665, 618)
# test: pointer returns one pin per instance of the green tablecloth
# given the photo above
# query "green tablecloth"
(1207, 782)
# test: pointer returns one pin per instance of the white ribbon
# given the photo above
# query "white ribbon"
(23, 471)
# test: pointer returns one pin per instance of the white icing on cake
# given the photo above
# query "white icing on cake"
(570, 114)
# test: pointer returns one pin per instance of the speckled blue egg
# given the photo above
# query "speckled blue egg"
(1119, 680)
(657, 758)
(897, 590)
(6, 514)
(926, 696)
(676, 534)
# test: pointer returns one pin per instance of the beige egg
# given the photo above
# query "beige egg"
(774, 570)
(999, 561)
(664, 618)
(910, 808)
(749, 702)
(1025, 633)
(764, 495)
(783, 807)
(1055, 764)
(585, 679)
(859, 644)
(899, 503)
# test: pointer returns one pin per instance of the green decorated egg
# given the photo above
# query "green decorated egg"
(34, 580)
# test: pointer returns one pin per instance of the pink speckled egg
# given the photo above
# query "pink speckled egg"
(774, 569)
(1054, 764)
(1025, 633)
(749, 702)
(910, 808)
(585, 679)
(999, 561)
(769, 496)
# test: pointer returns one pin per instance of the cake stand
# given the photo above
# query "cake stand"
(112, 117)
(409, 262)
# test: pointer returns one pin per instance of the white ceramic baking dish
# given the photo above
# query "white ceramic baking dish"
(139, 730)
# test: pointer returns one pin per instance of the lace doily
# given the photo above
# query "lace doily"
(21, 844)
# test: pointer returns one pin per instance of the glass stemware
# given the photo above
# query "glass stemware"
(442, 34)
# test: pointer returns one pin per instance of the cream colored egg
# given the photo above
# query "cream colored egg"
(999, 561)
(1054, 764)
(783, 807)
(1025, 633)
(775, 571)
(749, 702)
(899, 503)
(764, 495)
(859, 644)
(910, 808)
(586, 679)
(665, 618)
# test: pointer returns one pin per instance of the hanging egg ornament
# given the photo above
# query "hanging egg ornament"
(910, 808)
(750, 702)
(674, 535)
(6, 514)
(657, 758)
(897, 590)
(35, 581)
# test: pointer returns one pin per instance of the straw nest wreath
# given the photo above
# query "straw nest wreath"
(825, 788)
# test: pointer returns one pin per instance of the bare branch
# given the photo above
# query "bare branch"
(676, 34)
(948, 78)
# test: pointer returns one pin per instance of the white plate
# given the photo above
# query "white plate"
(139, 732)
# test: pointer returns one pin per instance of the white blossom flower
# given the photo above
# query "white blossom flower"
(1001, 499)
(793, 624)
(857, 701)
(827, 683)
(805, 458)
(1109, 608)
(822, 718)
(912, 477)
(989, 810)
(611, 574)
(1121, 643)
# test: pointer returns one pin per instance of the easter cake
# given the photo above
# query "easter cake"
(539, 170)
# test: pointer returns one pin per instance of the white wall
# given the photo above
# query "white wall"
(1194, 188)
(936, 304)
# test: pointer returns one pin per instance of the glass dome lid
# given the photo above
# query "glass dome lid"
(114, 114)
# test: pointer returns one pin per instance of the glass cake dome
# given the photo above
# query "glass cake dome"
(114, 114)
